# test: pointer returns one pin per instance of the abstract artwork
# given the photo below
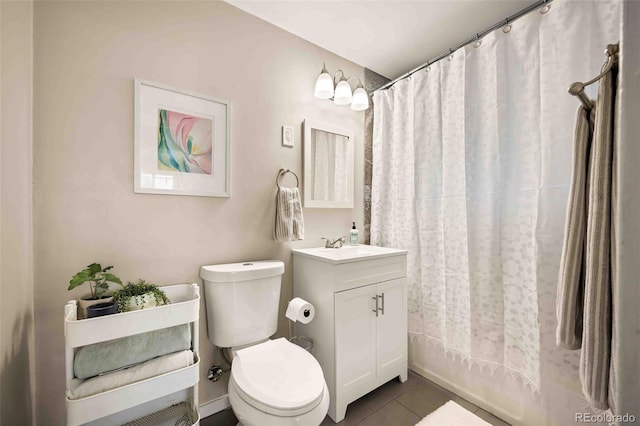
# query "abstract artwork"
(182, 143)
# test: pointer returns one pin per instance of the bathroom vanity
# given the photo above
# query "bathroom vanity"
(360, 329)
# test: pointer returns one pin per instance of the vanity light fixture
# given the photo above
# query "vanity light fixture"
(340, 92)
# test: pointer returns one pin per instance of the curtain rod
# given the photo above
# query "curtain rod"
(537, 5)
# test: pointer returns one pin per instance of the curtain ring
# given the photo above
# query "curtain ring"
(478, 41)
(545, 9)
(428, 68)
(450, 58)
(507, 27)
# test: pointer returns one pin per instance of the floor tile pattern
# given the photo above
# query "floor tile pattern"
(393, 404)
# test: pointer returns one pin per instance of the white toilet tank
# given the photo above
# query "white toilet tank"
(242, 301)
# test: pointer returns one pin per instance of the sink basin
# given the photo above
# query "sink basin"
(348, 253)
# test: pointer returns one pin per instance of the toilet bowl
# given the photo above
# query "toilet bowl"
(277, 383)
(273, 382)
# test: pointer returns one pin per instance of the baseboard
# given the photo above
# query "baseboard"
(212, 407)
(469, 396)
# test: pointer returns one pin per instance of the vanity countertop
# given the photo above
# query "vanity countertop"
(346, 254)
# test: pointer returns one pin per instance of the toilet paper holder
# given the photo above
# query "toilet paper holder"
(299, 310)
(304, 342)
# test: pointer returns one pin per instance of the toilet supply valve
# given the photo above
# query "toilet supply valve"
(215, 373)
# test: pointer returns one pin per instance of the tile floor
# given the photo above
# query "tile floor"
(393, 404)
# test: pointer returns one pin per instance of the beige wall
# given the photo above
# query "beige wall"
(17, 358)
(86, 57)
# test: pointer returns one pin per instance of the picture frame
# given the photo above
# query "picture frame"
(181, 143)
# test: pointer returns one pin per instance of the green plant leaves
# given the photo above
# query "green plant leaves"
(135, 290)
(96, 275)
(94, 268)
(80, 278)
(112, 278)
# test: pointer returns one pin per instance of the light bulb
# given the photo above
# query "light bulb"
(342, 95)
(360, 100)
(324, 85)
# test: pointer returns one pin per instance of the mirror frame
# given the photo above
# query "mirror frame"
(307, 125)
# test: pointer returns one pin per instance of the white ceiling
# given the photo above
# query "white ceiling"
(389, 37)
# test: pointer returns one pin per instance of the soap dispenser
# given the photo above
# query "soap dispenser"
(353, 235)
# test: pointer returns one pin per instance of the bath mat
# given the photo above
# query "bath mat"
(451, 414)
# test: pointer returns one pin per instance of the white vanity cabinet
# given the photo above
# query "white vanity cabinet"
(360, 328)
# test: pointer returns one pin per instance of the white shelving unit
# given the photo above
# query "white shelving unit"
(136, 400)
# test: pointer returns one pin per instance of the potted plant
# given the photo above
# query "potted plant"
(140, 295)
(99, 279)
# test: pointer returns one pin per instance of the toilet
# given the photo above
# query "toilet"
(273, 382)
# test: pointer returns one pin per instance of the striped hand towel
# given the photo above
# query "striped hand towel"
(289, 224)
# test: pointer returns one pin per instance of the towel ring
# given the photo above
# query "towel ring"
(283, 172)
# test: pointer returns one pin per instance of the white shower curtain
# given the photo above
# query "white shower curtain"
(471, 168)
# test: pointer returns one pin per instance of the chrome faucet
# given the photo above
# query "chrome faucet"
(334, 244)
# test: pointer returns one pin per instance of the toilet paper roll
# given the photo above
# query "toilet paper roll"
(300, 310)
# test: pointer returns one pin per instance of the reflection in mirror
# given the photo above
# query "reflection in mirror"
(328, 162)
(329, 166)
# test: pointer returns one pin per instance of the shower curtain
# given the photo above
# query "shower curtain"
(471, 169)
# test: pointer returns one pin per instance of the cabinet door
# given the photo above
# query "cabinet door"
(392, 325)
(355, 333)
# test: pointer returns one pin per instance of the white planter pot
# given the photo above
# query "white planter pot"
(145, 301)
(84, 303)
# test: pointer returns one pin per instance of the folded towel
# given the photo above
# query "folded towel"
(99, 358)
(289, 221)
(155, 367)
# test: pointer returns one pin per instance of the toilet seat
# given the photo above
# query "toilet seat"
(278, 377)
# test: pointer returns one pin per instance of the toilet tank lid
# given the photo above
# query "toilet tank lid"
(243, 271)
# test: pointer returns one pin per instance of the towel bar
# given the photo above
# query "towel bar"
(577, 88)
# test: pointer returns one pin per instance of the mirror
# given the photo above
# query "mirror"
(328, 166)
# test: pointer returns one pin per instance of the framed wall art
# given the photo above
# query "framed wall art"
(182, 144)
